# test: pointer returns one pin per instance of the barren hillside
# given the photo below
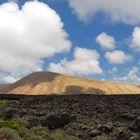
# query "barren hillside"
(2, 86)
(53, 83)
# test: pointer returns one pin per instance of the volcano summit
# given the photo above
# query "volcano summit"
(41, 83)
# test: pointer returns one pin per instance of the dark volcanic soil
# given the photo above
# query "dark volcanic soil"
(89, 117)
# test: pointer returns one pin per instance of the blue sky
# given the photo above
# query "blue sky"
(100, 43)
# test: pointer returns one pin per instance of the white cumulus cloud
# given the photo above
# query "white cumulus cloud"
(131, 77)
(118, 57)
(126, 11)
(28, 35)
(85, 62)
(135, 39)
(113, 70)
(106, 41)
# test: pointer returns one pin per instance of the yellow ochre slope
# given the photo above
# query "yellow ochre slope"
(40, 83)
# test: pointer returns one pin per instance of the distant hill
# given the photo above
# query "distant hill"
(2, 86)
(40, 83)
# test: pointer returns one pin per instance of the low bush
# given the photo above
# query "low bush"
(61, 135)
(9, 134)
(14, 130)
(32, 136)
(9, 124)
(41, 131)
(3, 102)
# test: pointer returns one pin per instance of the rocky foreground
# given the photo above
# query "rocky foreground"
(87, 117)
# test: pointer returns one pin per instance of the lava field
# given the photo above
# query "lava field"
(88, 117)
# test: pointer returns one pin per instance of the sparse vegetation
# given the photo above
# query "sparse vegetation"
(102, 138)
(3, 102)
(9, 134)
(61, 135)
(12, 130)
(9, 124)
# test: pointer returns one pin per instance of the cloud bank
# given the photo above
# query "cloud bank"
(131, 77)
(27, 36)
(126, 11)
(85, 62)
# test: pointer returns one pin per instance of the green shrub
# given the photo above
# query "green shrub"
(23, 131)
(3, 102)
(61, 135)
(41, 131)
(37, 133)
(103, 137)
(32, 136)
(19, 130)
(9, 134)
(9, 124)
